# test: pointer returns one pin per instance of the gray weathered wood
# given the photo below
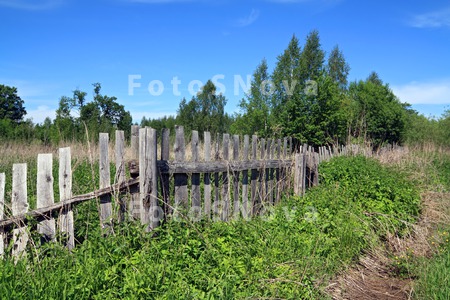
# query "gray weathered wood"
(134, 204)
(269, 173)
(155, 213)
(297, 174)
(254, 207)
(225, 189)
(2, 211)
(236, 196)
(216, 205)
(120, 171)
(206, 176)
(218, 166)
(245, 204)
(65, 220)
(19, 206)
(148, 186)
(165, 178)
(45, 196)
(105, 181)
(279, 187)
(262, 177)
(195, 193)
(181, 180)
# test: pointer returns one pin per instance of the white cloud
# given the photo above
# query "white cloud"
(424, 92)
(248, 20)
(31, 4)
(40, 113)
(434, 19)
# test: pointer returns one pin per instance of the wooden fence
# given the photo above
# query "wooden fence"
(226, 178)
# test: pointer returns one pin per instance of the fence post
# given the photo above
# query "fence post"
(255, 203)
(225, 195)
(65, 192)
(206, 176)
(134, 204)
(165, 178)
(120, 171)
(245, 204)
(196, 210)
(19, 206)
(2, 209)
(236, 177)
(45, 196)
(181, 180)
(105, 181)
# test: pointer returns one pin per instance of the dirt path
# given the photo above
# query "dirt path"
(380, 273)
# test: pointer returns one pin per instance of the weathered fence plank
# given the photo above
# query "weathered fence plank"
(120, 171)
(181, 180)
(148, 185)
(236, 196)
(105, 181)
(134, 206)
(217, 205)
(2, 211)
(206, 176)
(255, 204)
(225, 196)
(45, 196)
(65, 221)
(196, 209)
(19, 206)
(245, 203)
(165, 178)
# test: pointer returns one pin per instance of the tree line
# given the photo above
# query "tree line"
(306, 96)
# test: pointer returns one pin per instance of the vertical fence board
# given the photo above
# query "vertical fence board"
(225, 195)
(45, 196)
(262, 177)
(119, 177)
(2, 210)
(278, 182)
(255, 205)
(216, 208)
(195, 194)
(155, 213)
(105, 181)
(269, 172)
(245, 204)
(165, 178)
(181, 180)
(206, 176)
(236, 196)
(65, 220)
(19, 206)
(133, 205)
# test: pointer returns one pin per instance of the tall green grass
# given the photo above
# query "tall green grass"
(288, 253)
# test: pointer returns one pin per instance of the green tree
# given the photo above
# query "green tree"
(286, 83)
(205, 111)
(317, 118)
(312, 58)
(11, 105)
(338, 68)
(255, 107)
(380, 116)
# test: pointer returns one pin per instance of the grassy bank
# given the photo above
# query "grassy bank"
(289, 253)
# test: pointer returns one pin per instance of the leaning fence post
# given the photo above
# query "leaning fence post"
(19, 206)
(45, 196)
(2, 209)
(105, 181)
(181, 180)
(65, 192)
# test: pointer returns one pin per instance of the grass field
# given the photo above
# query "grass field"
(300, 250)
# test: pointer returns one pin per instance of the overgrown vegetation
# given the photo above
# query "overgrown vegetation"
(290, 252)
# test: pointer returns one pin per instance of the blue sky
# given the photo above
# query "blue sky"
(51, 47)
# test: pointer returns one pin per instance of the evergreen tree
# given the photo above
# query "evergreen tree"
(338, 68)
(255, 107)
(312, 58)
